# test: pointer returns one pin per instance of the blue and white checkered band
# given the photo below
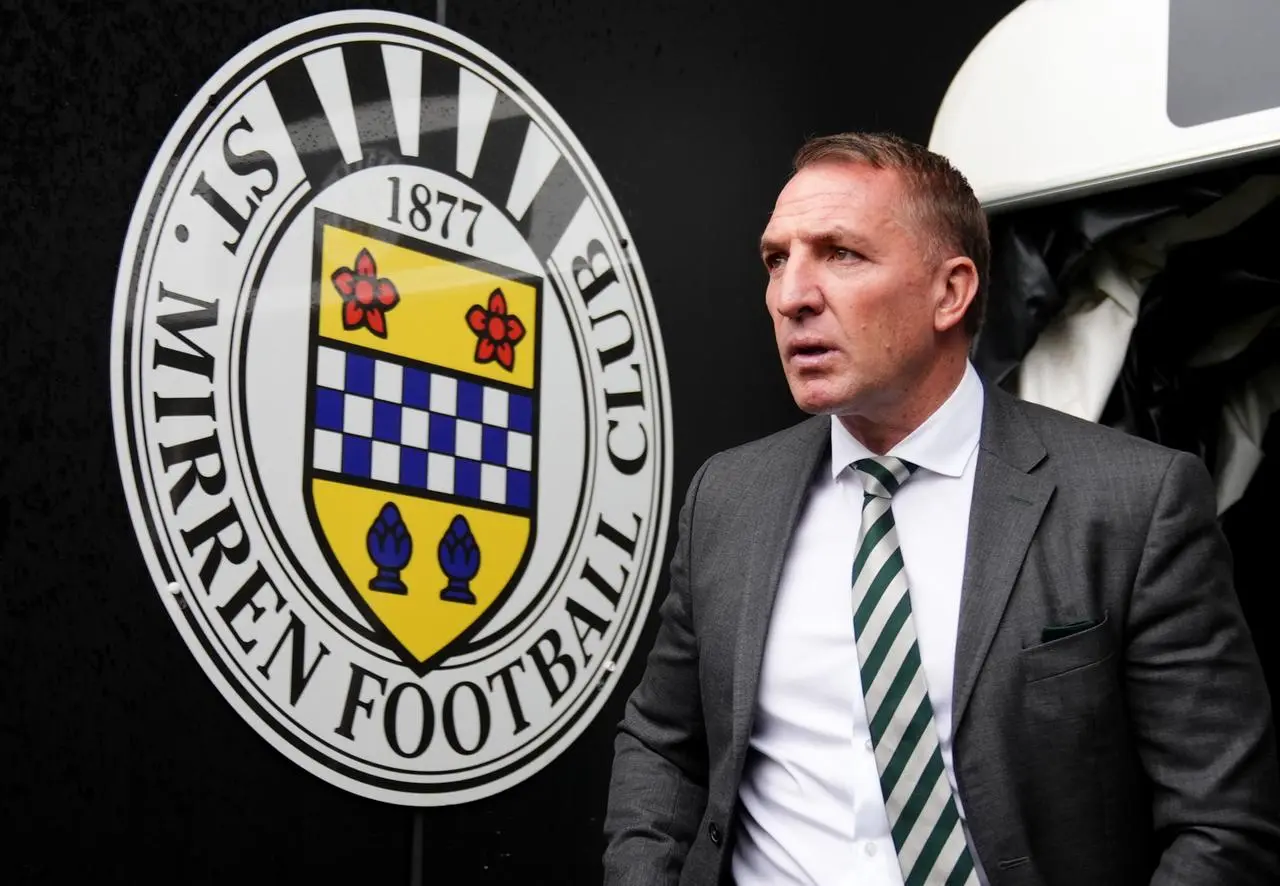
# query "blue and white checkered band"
(406, 426)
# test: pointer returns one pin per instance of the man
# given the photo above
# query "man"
(935, 634)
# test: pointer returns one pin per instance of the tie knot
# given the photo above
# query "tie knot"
(883, 475)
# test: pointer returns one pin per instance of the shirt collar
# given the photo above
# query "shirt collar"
(942, 444)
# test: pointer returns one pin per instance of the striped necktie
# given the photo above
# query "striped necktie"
(917, 796)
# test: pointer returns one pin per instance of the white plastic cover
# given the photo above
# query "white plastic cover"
(1068, 96)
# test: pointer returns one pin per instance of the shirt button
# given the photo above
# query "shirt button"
(869, 746)
(870, 848)
(713, 831)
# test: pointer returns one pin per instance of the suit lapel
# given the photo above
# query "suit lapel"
(778, 501)
(1008, 502)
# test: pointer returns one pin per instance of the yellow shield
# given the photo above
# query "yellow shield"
(421, 462)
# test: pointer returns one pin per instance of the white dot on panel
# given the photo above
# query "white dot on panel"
(495, 407)
(444, 395)
(468, 441)
(327, 455)
(404, 80)
(357, 415)
(493, 483)
(331, 368)
(475, 106)
(519, 451)
(413, 427)
(440, 472)
(386, 462)
(328, 72)
(388, 381)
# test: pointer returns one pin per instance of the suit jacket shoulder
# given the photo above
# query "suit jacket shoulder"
(767, 461)
(1080, 454)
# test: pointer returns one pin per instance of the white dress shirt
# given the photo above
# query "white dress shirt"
(811, 810)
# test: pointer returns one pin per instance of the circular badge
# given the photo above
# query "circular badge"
(391, 409)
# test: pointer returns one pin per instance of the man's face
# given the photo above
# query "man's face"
(852, 290)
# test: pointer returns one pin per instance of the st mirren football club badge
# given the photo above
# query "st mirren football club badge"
(391, 409)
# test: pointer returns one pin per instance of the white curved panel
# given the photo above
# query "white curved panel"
(1064, 96)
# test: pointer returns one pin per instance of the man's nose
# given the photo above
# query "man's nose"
(799, 289)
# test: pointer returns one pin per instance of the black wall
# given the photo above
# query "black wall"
(118, 759)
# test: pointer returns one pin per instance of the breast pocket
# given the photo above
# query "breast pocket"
(1072, 731)
(1086, 649)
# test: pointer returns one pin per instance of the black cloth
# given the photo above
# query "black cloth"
(1250, 528)
(1037, 252)
(1205, 286)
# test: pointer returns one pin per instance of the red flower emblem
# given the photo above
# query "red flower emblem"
(497, 330)
(366, 296)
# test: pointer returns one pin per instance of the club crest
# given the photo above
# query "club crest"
(421, 466)
(391, 408)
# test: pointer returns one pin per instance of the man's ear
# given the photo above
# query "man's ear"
(956, 284)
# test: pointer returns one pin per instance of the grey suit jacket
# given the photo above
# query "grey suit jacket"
(1138, 750)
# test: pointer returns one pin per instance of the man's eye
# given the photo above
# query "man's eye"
(774, 260)
(839, 253)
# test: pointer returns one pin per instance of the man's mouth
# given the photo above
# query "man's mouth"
(808, 354)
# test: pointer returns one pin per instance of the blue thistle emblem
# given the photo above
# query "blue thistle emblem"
(460, 559)
(390, 547)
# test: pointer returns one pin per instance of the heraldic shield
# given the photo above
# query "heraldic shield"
(421, 469)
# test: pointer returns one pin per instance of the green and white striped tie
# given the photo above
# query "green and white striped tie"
(922, 812)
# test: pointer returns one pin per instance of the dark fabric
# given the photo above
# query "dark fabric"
(1250, 527)
(1204, 287)
(1036, 253)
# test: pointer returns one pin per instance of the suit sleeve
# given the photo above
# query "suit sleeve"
(658, 790)
(1198, 699)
